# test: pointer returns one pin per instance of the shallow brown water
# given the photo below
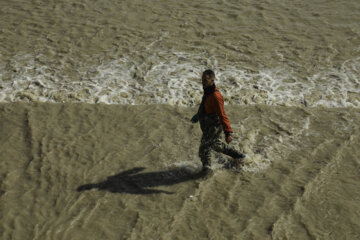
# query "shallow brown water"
(72, 167)
(63, 174)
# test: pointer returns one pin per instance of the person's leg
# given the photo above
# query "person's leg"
(221, 147)
(237, 156)
(209, 137)
(204, 152)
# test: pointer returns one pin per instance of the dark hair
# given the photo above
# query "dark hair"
(209, 73)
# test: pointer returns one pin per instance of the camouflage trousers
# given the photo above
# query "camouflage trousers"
(211, 141)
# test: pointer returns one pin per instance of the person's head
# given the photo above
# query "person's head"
(208, 78)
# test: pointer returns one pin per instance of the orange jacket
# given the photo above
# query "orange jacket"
(214, 103)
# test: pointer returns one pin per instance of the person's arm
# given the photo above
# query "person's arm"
(220, 111)
(195, 118)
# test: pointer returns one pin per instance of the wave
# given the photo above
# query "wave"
(174, 78)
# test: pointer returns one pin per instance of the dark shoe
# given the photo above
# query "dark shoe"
(238, 162)
(207, 172)
(206, 163)
(240, 156)
(222, 160)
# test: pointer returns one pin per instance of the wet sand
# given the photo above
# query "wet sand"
(86, 171)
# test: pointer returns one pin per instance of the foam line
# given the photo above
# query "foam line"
(174, 78)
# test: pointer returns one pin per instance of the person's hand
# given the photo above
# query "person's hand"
(228, 139)
(195, 118)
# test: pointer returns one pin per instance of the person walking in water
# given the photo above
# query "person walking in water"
(213, 121)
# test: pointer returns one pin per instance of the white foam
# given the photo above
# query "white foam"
(174, 78)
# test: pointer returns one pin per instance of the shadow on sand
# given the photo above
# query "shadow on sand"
(134, 182)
